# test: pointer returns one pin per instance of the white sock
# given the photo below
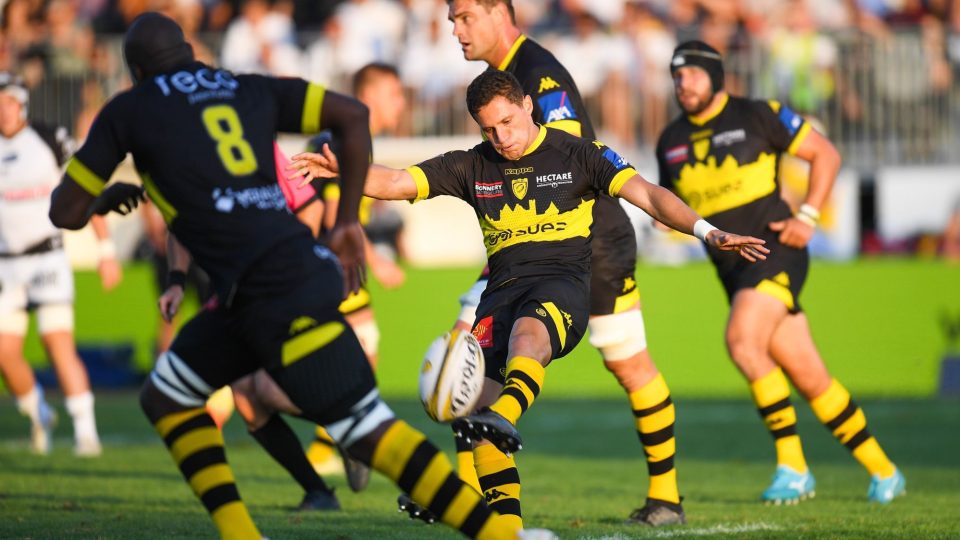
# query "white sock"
(33, 406)
(80, 408)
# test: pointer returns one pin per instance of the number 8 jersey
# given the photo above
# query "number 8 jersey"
(220, 196)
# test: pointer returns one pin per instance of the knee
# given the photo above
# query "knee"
(633, 373)
(619, 336)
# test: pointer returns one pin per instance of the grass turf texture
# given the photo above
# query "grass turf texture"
(877, 323)
(581, 467)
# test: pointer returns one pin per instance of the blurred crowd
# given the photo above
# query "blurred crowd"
(865, 67)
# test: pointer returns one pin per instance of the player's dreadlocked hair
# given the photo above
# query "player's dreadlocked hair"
(490, 84)
(489, 4)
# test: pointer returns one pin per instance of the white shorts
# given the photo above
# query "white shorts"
(35, 280)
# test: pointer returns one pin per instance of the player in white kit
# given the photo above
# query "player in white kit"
(36, 275)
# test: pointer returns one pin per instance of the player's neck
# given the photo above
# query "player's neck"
(508, 37)
(716, 105)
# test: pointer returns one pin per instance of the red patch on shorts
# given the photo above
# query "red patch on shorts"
(483, 331)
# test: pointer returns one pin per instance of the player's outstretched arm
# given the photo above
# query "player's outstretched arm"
(384, 183)
(178, 262)
(662, 205)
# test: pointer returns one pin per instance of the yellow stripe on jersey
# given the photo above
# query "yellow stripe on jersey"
(710, 189)
(701, 120)
(85, 178)
(300, 346)
(620, 179)
(331, 192)
(423, 186)
(536, 142)
(798, 140)
(558, 321)
(166, 209)
(520, 225)
(312, 105)
(512, 52)
(572, 127)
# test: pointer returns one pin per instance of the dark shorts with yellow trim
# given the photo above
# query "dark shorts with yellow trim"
(284, 319)
(782, 275)
(613, 287)
(561, 302)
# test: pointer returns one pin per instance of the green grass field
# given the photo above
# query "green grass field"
(877, 322)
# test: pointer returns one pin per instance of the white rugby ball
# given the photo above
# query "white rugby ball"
(451, 376)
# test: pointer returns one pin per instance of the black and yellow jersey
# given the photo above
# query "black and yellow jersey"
(725, 167)
(557, 104)
(202, 141)
(535, 213)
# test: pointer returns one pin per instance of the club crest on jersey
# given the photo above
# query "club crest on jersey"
(488, 190)
(519, 187)
(556, 107)
(547, 83)
(700, 149)
(483, 331)
(678, 154)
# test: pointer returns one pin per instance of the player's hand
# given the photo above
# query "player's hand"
(309, 165)
(111, 273)
(346, 240)
(169, 302)
(119, 197)
(750, 248)
(793, 232)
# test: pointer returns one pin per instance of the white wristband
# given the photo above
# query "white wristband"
(107, 249)
(701, 228)
(809, 211)
(805, 218)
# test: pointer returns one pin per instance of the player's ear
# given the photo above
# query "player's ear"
(528, 104)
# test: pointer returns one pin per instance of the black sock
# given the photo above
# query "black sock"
(279, 440)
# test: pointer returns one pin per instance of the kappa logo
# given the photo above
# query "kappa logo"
(547, 83)
(302, 323)
(492, 495)
(567, 318)
(483, 331)
(629, 284)
(518, 171)
(782, 279)
(519, 187)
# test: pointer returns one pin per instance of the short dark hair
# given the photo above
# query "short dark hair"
(368, 73)
(153, 44)
(489, 4)
(490, 84)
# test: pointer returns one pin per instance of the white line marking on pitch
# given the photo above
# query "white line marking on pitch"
(699, 531)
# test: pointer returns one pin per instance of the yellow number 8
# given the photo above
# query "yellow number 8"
(224, 127)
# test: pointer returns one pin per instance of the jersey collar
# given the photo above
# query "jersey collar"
(512, 52)
(536, 142)
(699, 121)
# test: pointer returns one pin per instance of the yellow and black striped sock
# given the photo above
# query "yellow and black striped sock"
(500, 481)
(405, 456)
(771, 393)
(837, 410)
(322, 448)
(655, 416)
(522, 386)
(465, 464)
(196, 444)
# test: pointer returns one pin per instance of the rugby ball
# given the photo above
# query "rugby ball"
(451, 376)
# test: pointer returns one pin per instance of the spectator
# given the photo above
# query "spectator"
(261, 40)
